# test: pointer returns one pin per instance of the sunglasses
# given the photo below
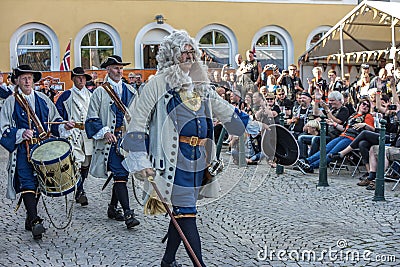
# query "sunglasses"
(188, 52)
(365, 104)
(281, 94)
(269, 99)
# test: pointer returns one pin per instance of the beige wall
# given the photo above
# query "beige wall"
(67, 17)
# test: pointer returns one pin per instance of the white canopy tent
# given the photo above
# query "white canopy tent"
(366, 34)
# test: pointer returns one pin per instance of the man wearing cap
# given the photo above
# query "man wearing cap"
(73, 105)
(22, 125)
(300, 115)
(106, 122)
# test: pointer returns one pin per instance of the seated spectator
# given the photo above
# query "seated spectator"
(269, 111)
(362, 120)
(366, 139)
(300, 115)
(336, 114)
(248, 101)
(392, 153)
(284, 102)
(258, 101)
(253, 144)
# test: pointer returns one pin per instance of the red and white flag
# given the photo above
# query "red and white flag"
(65, 63)
(254, 50)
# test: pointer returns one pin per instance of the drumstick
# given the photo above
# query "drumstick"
(56, 122)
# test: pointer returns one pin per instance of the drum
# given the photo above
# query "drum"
(55, 167)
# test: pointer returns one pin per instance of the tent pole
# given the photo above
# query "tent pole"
(393, 42)
(341, 51)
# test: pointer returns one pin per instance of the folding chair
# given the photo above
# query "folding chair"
(393, 170)
(353, 159)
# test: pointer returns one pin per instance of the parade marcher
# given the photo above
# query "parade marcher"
(177, 107)
(106, 122)
(22, 122)
(73, 105)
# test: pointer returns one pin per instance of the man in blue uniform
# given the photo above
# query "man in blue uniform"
(175, 111)
(106, 123)
(19, 133)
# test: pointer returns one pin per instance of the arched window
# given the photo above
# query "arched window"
(274, 45)
(34, 49)
(316, 35)
(147, 42)
(215, 47)
(36, 45)
(95, 42)
(270, 50)
(96, 46)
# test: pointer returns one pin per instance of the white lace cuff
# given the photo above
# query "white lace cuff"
(18, 136)
(64, 133)
(100, 134)
(136, 161)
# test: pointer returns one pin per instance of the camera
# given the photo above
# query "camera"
(392, 107)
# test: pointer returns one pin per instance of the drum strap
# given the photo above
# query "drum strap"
(118, 102)
(31, 114)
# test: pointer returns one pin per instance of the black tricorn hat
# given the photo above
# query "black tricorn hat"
(79, 71)
(22, 69)
(113, 60)
(279, 144)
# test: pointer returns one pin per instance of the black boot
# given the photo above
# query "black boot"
(130, 219)
(28, 226)
(37, 228)
(81, 198)
(115, 213)
(172, 264)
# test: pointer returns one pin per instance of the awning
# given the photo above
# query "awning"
(369, 32)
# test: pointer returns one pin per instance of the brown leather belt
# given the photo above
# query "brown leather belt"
(192, 140)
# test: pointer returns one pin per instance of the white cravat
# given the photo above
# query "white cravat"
(116, 86)
(30, 98)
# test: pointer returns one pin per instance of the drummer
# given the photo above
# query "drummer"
(73, 105)
(19, 134)
(106, 123)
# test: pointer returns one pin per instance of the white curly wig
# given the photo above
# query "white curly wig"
(168, 58)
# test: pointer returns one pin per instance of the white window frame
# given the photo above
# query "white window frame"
(228, 33)
(284, 37)
(139, 58)
(320, 29)
(114, 35)
(47, 32)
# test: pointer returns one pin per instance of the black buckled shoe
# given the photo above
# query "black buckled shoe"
(172, 264)
(130, 220)
(37, 228)
(81, 198)
(115, 213)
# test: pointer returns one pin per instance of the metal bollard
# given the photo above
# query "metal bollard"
(323, 171)
(220, 141)
(380, 180)
(242, 151)
(279, 168)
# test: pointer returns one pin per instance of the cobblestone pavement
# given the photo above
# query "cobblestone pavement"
(262, 219)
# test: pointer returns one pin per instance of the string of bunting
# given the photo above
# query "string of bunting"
(365, 56)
